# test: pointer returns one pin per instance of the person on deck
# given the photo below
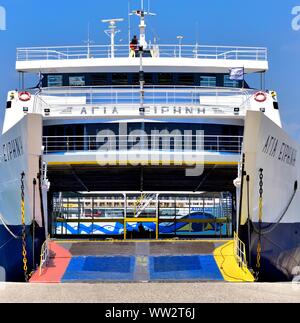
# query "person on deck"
(134, 46)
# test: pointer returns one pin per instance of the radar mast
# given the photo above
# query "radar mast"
(112, 31)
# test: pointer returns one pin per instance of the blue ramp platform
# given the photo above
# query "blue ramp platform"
(100, 269)
(184, 268)
(127, 269)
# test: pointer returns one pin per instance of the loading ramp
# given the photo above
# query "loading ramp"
(140, 261)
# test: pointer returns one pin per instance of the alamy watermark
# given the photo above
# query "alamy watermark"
(154, 148)
(296, 19)
(2, 18)
(2, 278)
(296, 279)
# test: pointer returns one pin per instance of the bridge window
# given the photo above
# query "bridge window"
(77, 80)
(120, 79)
(230, 83)
(55, 80)
(147, 76)
(125, 79)
(165, 78)
(98, 79)
(209, 81)
(186, 79)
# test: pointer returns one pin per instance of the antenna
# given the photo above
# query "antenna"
(197, 32)
(141, 13)
(129, 23)
(112, 31)
(89, 42)
(197, 39)
(180, 39)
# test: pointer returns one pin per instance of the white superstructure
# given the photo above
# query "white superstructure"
(182, 84)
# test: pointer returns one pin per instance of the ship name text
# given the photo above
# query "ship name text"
(281, 150)
(126, 111)
(12, 149)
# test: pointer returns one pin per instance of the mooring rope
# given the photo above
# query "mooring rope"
(8, 229)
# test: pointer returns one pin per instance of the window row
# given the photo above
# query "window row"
(123, 79)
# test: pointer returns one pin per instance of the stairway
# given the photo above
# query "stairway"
(226, 205)
(143, 203)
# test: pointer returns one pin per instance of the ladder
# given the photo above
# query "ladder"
(142, 203)
(226, 205)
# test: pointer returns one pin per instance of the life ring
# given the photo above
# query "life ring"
(260, 97)
(24, 96)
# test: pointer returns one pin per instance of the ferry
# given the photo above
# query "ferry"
(147, 141)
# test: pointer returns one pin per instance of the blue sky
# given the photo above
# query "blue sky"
(231, 22)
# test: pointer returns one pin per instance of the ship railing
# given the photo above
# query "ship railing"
(213, 90)
(169, 143)
(154, 50)
(45, 255)
(240, 252)
(213, 100)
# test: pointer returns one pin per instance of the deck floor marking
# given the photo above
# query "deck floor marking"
(143, 268)
(231, 271)
(115, 268)
(184, 268)
(59, 261)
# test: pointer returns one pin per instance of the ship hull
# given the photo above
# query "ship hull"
(11, 258)
(270, 199)
(20, 160)
(280, 255)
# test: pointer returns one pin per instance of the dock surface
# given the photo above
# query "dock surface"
(217, 292)
(142, 272)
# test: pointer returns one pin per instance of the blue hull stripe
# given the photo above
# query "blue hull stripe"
(11, 261)
(280, 251)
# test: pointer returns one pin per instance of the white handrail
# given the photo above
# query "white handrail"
(226, 144)
(240, 252)
(104, 51)
(45, 254)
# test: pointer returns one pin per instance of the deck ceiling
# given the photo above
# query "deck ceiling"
(66, 178)
(155, 65)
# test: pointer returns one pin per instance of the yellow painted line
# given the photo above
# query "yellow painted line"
(156, 165)
(137, 220)
(59, 241)
(70, 205)
(226, 261)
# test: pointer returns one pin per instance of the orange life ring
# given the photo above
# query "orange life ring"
(260, 97)
(24, 96)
